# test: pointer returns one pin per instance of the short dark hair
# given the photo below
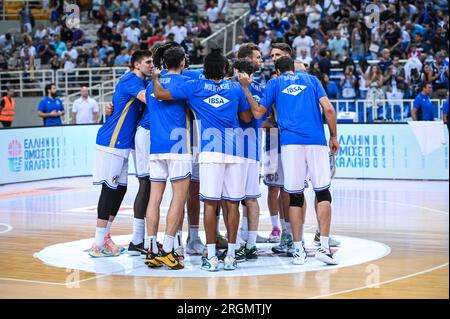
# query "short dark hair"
(173, 57)
(215, 65)
(246, 50)
(49, 87)
(423, 85)
(159, 56)
(285, 64)
(138, 56)
(244, 66)
(283, 47)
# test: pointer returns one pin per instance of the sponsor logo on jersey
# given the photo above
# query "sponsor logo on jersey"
(216, 100)
(294, 89)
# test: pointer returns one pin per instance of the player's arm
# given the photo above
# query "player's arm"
(74, 117)
(141, 96)
(414, 109)
(160, 92)
(257, 109)
(330, 115)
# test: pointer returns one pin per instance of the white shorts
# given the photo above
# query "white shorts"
(299, 160)
(141, 154)
(172, 169)
(277, 179)
(222, 181)
(252, 184)
(110, 169)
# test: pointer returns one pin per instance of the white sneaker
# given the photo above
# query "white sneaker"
(229, 263)
(333, 242)
(299, 258)
(325, 256)
(261, 239)
(195, 246)
(210, 264)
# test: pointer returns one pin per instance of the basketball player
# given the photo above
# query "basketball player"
(170, 157)
(216, 103)
(115, 140)
(297, 98)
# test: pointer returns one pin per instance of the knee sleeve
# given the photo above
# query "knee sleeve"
(323, 196)
(105, 203)
(296, 200)
(117, 199)
(243, 202)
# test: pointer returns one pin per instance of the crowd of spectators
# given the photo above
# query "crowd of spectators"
(337, 34)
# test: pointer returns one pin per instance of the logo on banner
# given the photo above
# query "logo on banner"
(15, 158)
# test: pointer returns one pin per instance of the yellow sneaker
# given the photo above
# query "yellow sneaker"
(151, 262)
(169, 259)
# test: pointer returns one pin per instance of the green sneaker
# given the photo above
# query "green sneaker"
(251, 254)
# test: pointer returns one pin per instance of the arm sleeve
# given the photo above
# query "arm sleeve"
(269, 95)
(183, 91)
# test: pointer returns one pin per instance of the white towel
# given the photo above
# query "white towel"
(429, 134)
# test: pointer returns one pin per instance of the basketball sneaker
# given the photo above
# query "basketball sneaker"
(110, 242)
(136, 250)
(275, 235)
(240, 254)
(169, 259)
(230, 263)
(103, 251)
(261, 239)
(325, 256)
(282, 247)
(221, 242)
(150, 260)
(333, 242)
(299, 258)
(290, 249)
(194, 246)
(179, 253)
(220, 255)
(251, 254)
(211, 264)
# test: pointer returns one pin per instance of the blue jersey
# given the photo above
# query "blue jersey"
(251, 149)
(296, 109)
(47, 105)
(445, 107)
(120, 128)
(424, 107)
(145, 118)
(196, 74)
(169, 120)
(215, 106)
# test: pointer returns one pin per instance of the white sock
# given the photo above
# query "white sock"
(298, 246)
(146, 241)
(211, 250)
(303, 233)
(193, 232)
(289, 228)
(251, 239)
(100, 234)
(231, 249)
(153, 244)
(244, 225)
(325, 242)
(108, 227)
(283, 225)
(274, 220)
(138, 231)
(168, 243)
(178, 239)
(240, 239)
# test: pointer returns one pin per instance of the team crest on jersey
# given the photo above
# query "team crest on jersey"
(216, 100)
(294, 89)
(115, 180)
(257, 98)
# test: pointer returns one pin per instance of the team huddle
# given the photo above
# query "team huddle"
(201, 130)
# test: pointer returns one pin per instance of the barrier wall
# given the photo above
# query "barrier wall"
(367, 151)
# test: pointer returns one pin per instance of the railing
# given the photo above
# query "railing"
(27, 83)
(379, 110)
(11, 8)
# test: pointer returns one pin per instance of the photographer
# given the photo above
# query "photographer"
(347, 83)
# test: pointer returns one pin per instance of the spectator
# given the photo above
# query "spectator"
(53, 30)
(394, 80)
(213, 12)
(6, 44)
(28, 43)
(306, 60)
(324, 62)
(223, 7)
(314, 69)
(3, 63)
(313, 11)
(440, 40)
(357, 41)
(7, 108)
(348, 83)
(116, 40)
(330, 7)
(392, 39)
(94, 61)
(422, 106)
(60, 46)
(105, 50)
(188, 44)
(123, 59)
(264, 44)
(27, 62)
(385, 60)
(158, 37)
(191, 7)
(85, 109)
(14, 62)
(51, 108)
(198, 52)
(300, 12)
(330, 87)
(303, 41)
(132, 34)
(69, 60)
(54, 12)
(439, 79)
(46, 50)
(290, 35)
(338, 45)
(40, 32)
(237, 46)
(179, 31)
(374, 81)
(361, 70)
(26, 18)
(66, 34)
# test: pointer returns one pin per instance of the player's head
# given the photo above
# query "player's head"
(284, 64)
(426, 88)
(142, 63)
(279, 50)
(174, 58)
(50, 90)
(216, 65)
(252, 52)
(174, 49)
(243, 66)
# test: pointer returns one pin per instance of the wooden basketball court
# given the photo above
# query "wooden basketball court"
(410, 217)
